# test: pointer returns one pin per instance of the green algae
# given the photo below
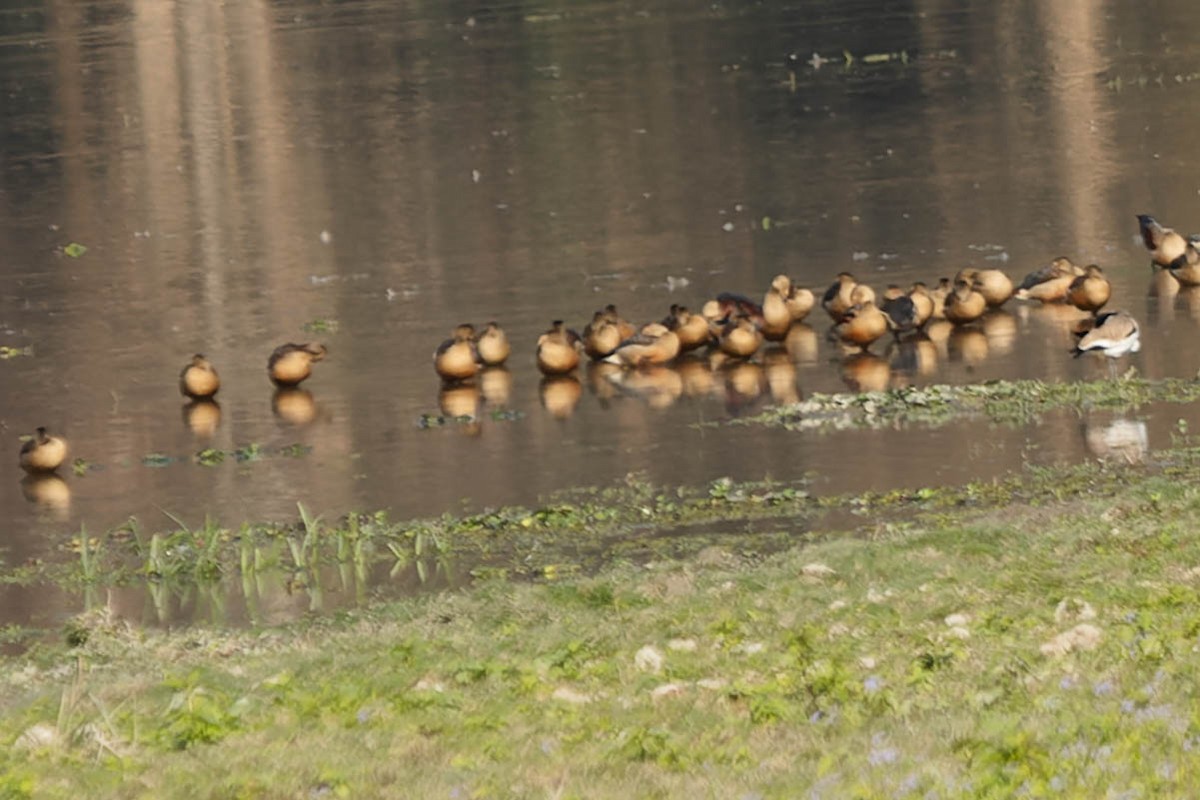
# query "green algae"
(1001, 402)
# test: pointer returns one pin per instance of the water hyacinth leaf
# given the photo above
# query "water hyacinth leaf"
(75, 250)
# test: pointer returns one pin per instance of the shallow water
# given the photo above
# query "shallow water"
(238, 173)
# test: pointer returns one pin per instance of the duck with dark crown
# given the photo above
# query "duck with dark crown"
(43, 452)
(198, 379)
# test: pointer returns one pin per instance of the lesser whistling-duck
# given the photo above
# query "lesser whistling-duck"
(456, 359)
(1090, 291)
(290, 363)
(964, 305)
(198, 380)
(558, 350)
(654, 344)
(1050, 283)
(492, 345)
(43, 452)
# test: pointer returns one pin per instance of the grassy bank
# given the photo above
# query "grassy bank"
(1041, 642)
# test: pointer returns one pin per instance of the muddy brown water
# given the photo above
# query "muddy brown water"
(238, 173)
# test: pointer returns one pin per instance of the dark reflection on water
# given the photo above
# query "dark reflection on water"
(242, 172)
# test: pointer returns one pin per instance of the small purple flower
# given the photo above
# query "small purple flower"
(1102, 688)
(872, 684)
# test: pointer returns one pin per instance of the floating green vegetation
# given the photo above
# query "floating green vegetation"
(7, 352)
(1009, 402)
(156, 460)
(295, 450)
(248, 452)
(81, 467)
(505, 415)
(320, 326)
(74, 250)
(209, 457)
(429, 421)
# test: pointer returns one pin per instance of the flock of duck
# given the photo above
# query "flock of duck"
(735, 327)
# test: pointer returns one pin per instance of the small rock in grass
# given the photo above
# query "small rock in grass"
(1072, 608)
(959, 632)
(648, 659)
(712, 684)
(38, 737)
(568, 695)
(866, 662)
(682, 645)
(817, 570)
(957, 620)
(666, 690)
(1081, 637)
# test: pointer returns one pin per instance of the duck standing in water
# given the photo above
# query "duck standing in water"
(558, 350)
(964, 305)
(456, 359)
(492, 345)
(198, 380)
(655, 344)
(1090, 291)
(863, 322)
(43, 453)
(995, 286)
(740, 338)
(841, 295)
(692, 329)
(602, 335)
(900, 310)
(1050, 283)
(1168, 248)
(290, 363)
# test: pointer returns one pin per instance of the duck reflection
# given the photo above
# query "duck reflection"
(202, 417)
(802, 344)
(1188, 300)
(781, 377)
(49, 492)
(495, 383)
(1117, 439)
(697, 377)
(1162, 292)
(1000, 328)
(968, 345)
(599, 374)
(294, 405)
(745, 384)
(560, 394)
(460, 402)
(658, 387)
(916, 355)
(866, 372)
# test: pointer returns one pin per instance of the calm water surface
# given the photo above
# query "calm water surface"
(241, 172)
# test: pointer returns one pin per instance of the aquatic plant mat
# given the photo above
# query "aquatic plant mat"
(1030, 637)
(1000, 401)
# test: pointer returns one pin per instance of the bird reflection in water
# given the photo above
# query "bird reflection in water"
(48, 492)
(202, 417)
(599, 374)
(781, 377)
(495, 383)
(1119, 439)
(745, 385)
(866, 372)
(968, 345)
(658, 387)
(462, 403)
(913, 356)
(294, 405)
(1000, 328)
(697, 377)
(801, 344)
(560, 394)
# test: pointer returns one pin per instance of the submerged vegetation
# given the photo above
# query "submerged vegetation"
(1008, 402)
(1030, 636)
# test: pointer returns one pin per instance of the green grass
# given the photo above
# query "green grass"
(1045, 647)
